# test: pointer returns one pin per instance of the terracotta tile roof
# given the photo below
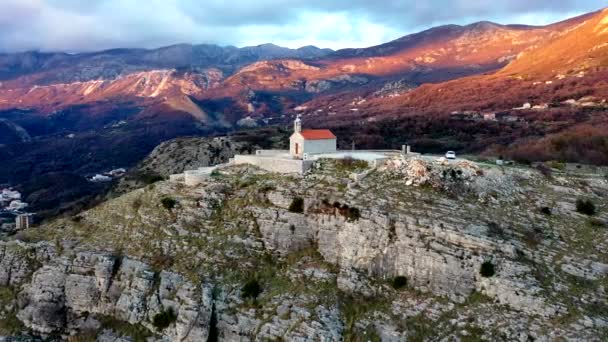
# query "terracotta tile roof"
(317, 134)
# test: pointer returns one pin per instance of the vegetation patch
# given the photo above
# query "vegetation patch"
(168, 203)
(136, 332)
(533, 237)
(586, 207)
(351, 214)
(148, 177)
(350, 164)
(487, 269)
(596, 223)
(251, 290)
(297, 205)
(545, 170)
(399, 282)
(9, 324)
(495, 230)
(354, 310)
(162, 261)
(164, 319)
(136, 204)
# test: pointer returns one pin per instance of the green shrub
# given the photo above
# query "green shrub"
(495, 230)
(161, 261)
(399, 282)
(353, 214)
(136, 204)
(533, 237)
(164, 319)
(585, 207)
(557, 165)
(594, 222)
(252, 289)
(487, 269)
(351, 164)
(297, 205)
(544, 170)
(168, 203)
(137, 332)
(148, 178)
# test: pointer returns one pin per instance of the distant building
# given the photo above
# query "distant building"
(117, 172)
(24, 221)
(311, 141)
(17, 205)
(100, 179)
(489, 116)
(9, 195)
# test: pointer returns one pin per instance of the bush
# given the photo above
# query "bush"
(353, 214)
(594, 222)
(399, 282)
(252, 289)
(148, 178)
(164, 319)
(495, 230)
(545, 170)
(585, 207)
(533, 237)
(487, 269)
(161, 261)
(297, 205)
(168, 203)
(137, 203)
(351, 164)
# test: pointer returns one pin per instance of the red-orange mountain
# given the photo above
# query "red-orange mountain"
(51, 82)
(380, 96)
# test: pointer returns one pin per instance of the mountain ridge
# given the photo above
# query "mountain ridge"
(112, 108)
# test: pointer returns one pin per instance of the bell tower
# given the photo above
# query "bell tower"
(297, 124)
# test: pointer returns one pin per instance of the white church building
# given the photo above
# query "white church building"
(304, 143)
(305, 147)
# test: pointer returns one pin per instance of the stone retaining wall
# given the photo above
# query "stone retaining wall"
(280, 165)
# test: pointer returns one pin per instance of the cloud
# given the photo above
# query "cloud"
(81, 25)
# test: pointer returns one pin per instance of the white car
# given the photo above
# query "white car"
(450, 155)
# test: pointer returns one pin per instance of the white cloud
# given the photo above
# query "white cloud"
(77, 25)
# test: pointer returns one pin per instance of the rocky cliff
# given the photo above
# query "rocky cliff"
(416, 250)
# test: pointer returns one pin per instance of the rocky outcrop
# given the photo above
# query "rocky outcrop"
(72, 294)
(393, 256)
(100, 285)
(319, 86)
(176, 156)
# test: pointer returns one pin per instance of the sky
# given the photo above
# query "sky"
(91, 25)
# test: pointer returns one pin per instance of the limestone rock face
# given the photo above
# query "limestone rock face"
(15, 264)
(375, 259)
(45, 308)
(434, 259)
(126, 289)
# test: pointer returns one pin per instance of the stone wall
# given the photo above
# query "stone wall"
(280, 165)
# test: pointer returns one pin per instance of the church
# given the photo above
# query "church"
(303, 143)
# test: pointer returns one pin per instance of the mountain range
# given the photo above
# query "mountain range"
(83, 113)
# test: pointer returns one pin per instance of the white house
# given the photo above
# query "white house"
(310, 141)
(24, 221)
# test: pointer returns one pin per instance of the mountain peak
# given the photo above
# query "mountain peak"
(484, 25)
